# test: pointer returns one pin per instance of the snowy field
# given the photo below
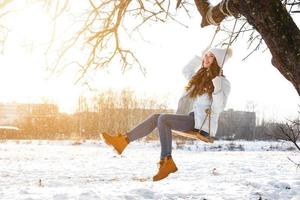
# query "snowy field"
(61, 170)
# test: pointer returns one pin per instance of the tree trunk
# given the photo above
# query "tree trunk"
(277, 28)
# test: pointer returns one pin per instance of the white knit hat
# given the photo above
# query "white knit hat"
(219, 54)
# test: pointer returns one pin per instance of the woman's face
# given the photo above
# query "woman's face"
(208, 59)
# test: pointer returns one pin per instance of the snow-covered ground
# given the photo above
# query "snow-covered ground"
(60, 170)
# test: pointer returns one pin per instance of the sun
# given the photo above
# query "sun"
(22, 73)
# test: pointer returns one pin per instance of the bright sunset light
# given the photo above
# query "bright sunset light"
(24, 77)
(149, 99)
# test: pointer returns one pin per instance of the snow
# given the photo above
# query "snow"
(60, 170)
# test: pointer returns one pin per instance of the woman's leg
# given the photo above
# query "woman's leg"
(164, 122)
(144, 128)
(167, 122)
(119, 142)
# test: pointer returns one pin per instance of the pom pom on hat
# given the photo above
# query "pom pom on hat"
(219, 54)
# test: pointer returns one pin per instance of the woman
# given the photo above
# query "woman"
(206, 92)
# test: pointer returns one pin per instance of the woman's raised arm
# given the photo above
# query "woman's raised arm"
(189, 69)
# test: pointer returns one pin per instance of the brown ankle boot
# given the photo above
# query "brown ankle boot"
(119, 142)
(166, 166)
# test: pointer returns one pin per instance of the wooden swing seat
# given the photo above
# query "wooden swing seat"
(194, 135)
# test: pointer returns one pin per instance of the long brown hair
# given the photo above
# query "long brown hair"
(201, 82)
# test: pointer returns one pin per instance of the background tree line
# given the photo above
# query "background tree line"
(109, 111)
(118, 112)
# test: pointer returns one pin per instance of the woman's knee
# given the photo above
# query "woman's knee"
(154, 118)
(163, 118)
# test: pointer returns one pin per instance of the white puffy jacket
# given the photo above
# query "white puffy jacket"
(199, 104)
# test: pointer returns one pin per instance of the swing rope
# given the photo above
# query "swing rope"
(213, 38)
(230, 42)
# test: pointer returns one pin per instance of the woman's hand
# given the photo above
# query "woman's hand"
(208, 111)
(221, 72)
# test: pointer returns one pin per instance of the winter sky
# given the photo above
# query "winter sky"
(168, 47)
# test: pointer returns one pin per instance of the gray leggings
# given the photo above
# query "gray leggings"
(164, 123)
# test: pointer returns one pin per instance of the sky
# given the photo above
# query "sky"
(168, 47)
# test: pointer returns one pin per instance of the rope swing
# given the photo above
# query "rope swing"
(196, 134)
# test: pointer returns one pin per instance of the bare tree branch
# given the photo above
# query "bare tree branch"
(103, 30)
(297, 164)
(289, 132)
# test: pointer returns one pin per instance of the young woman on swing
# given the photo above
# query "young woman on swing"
(205, 93)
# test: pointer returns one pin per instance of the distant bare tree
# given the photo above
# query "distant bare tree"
(289, 131)
(251, 106)
(119, 112)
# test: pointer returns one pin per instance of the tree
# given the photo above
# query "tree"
(270, 18)
(289, 131)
